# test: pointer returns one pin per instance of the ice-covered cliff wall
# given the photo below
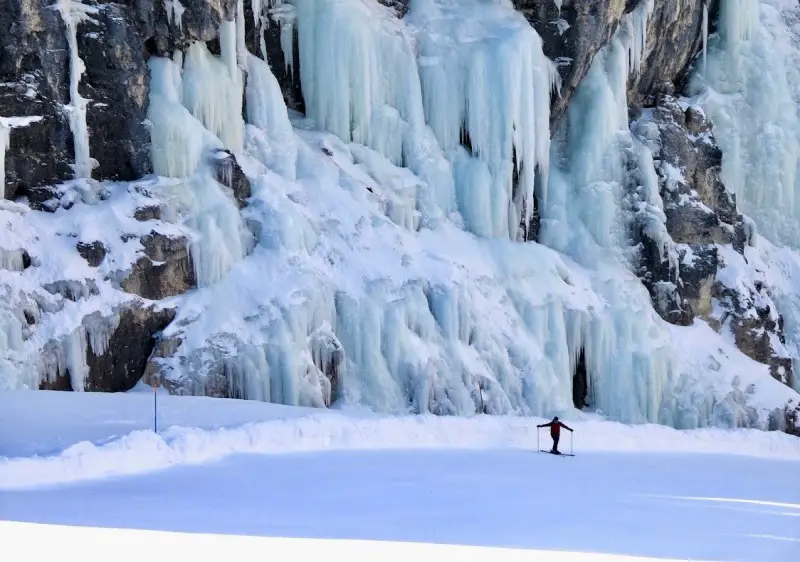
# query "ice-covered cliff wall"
(463, 218)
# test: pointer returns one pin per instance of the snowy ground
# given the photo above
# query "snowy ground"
(249, 469)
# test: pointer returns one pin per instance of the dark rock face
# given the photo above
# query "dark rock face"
(163, 32)
(145, 214)
(674, 37)
(123, 363)
(700, 211)
(580, 383)
(288, 77)
(93, 253)
(117, 81)
(752, 317)
(701, 217)
(164, 271)
(591, 25)
(228, 173)
(34, 82)
(698, 206)
(400, 6)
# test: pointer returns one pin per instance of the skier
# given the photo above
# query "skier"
(555, 432)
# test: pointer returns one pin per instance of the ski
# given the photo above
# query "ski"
(557, 454)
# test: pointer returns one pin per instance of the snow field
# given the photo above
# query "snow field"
(118, 448)
(295, 479)
(34, 542)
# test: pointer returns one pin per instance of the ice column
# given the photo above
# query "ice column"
(74, 12)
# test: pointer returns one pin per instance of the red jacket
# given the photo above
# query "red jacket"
(555, 428)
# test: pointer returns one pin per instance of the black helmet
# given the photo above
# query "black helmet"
(555, 418)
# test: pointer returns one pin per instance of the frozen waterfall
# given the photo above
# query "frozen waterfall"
(381, 251)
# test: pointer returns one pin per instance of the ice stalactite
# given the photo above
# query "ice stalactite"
(353, 63)
(5, 133)
(635, 28)
(705, 36)
(175, 12)
(285, 15)
(67, 356)
(486, 84)
(750, 90)
(586, 209)
(179, 141)
(72, 13)
(212, 88)
(274, 138)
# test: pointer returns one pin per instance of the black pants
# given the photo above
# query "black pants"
(555, 441)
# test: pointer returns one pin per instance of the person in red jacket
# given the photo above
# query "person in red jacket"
(555, 432)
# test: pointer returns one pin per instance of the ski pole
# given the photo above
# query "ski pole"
(571, 433)
(537, 439)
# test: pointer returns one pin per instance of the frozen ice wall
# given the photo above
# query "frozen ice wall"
(347, 297)
(750, 88)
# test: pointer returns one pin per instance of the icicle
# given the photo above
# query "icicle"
(99, 330)
(74, 348)
(73, 12)
(635, 26)
(178, 140)
(4, 136)
(212, 88)
(241, 47)
(286, 16)
(175, 12)
(705, 37)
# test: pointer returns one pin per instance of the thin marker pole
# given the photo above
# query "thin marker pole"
(155, 406)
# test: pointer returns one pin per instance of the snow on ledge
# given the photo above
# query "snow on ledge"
(44, 542)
